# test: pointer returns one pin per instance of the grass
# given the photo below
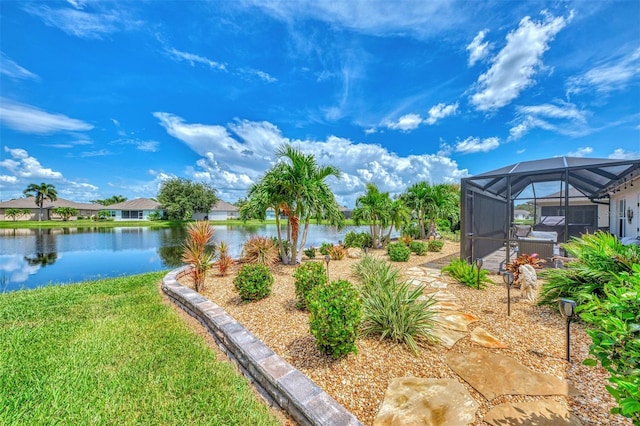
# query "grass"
(110, 352)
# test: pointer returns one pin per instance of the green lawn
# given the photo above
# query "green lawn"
(110, 352)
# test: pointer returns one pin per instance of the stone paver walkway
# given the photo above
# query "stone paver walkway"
(426, 401)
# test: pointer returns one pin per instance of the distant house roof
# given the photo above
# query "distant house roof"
(135, 204)
(521, 212)
(224, 206)
(29, 203)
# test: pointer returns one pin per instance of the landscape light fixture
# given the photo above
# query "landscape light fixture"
(327, 259)
(568, 310)
(508, 281)
(479, 263)
(366, 249)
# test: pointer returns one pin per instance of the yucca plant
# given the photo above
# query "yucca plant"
(467, 274)
(597, 259)
(195, 251)
(337, 252)
(261, 251)
(224, 260)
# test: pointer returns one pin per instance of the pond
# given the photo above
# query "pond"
(35, 257)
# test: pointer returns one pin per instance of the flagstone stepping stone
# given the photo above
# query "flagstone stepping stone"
(447, 306)
(420, 401)
(438, 284)
(446, 336)
(444, 296)
(545, 412)
(455, 320)
(482, 337)
(493, 375)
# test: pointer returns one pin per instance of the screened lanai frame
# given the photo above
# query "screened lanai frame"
(487, 200)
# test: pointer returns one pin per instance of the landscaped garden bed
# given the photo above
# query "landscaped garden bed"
(535, 337)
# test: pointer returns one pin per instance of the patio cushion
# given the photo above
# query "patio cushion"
(522, 230)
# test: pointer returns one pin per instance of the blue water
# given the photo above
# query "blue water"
(31, 258)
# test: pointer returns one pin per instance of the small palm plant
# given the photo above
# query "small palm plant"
(195, 251)
(467, 274)
(224, 260)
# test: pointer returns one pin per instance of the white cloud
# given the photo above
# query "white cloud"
(193, 59)
(236, 155)
(621, 154)
(11, 69)
(580, 152)
(564, 118)
(440, 111)
(615, 74)
(477, 49)
(474, 144)
(514, 67)
(83, 24)
(29, 119)
(22, 165)
(406, 122)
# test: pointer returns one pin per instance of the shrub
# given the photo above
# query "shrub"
(337, 252)
(524, 259)
(419, 247)
(335, 315)
(599, 257)
(306, 277)
(310, 252)
(411, 230)
(358, 240)
(260, 250)
(253, 282)
(398, 252)
(435, 245)
(324, 248)
(616, 339)
(195, 251)
(466, 274)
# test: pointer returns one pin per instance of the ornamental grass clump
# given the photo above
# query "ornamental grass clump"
(253, 282)
(467, 274)
(398, 252)
(195, 251)
(392, 309)
(306, 277)
(337, 252)
(261, 251)
(335, 312)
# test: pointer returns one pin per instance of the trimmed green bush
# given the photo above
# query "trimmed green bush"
(253, 282)
(306, 277)
(310, 252)
(324, 248)
(419, 247)
(435, 245)
(398, 252)
(335, 314)
(467, 274)
(358, 240)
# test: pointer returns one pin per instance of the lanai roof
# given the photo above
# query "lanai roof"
(591, 176)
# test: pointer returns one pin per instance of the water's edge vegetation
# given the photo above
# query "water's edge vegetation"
(110, 351)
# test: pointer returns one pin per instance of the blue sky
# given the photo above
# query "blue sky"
(111, 98)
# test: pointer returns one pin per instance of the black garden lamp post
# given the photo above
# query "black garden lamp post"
(568, 310)
(327, 259)
(479, 263)
(508, 281)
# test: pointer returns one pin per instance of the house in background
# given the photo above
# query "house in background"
(583, 214)
(521, 215)
(624, 199)
(28, 203)
(220, 211)
(137, 209)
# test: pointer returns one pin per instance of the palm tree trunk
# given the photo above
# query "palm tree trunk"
(283, 253)
(304, 240)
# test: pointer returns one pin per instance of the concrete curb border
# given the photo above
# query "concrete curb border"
(277, 380)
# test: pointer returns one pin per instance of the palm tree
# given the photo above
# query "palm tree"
(294, 187)
(416, 198)
(399, 215)
(373, 208)
(443, 202)
(44, 191)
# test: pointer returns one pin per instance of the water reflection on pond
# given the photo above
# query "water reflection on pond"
(35, 257)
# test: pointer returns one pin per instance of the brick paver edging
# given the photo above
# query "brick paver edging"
(274, 378)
